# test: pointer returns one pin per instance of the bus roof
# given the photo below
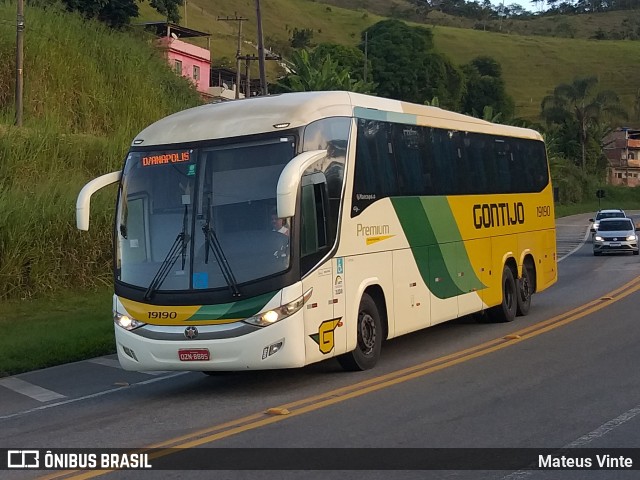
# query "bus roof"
(260, 115)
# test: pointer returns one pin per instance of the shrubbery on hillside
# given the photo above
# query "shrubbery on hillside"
(88, 91)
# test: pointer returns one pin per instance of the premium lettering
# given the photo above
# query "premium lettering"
(489, 215)
(367, 230)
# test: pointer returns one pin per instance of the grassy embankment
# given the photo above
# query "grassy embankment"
(88, 91)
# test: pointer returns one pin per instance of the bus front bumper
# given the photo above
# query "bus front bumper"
(280, 345)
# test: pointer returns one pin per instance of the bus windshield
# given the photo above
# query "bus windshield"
(202, 218)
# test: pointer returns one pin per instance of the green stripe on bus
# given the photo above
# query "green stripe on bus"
(382, 116)
(241, 309)
(435, 241)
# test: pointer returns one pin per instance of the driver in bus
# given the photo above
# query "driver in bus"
(279, 224)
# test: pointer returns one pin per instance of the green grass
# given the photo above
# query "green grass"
(88, 91)
(54, 330)
(615, 197)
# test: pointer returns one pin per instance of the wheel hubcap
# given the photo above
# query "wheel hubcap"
(366, 333)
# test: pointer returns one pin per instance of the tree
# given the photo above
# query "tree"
(118, 13)
(486, 88)
(405, 67)
(311, 71)
(301, 38)
(168, 8)
(115, 13)
(350, 58)
(578, 110)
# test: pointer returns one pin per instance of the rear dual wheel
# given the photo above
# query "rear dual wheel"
(525, 290)
(506, 311)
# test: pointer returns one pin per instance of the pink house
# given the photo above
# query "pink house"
(186, 59)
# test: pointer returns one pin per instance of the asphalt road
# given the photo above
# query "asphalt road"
(565, 375)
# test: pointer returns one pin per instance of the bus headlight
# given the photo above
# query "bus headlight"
(275, 315)
(126, 322)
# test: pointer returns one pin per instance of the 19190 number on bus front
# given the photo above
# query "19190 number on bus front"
(163, 315)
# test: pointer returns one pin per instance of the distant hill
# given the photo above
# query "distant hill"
(532, 64)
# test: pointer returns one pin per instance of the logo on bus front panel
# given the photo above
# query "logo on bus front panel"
(325, 338)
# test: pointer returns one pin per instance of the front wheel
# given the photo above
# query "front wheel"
(506, 311)
(369, 342)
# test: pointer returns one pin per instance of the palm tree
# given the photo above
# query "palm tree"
(580, 106)
(312, 72)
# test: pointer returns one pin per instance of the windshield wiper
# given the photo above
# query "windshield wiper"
(211, 241)
(179, 248)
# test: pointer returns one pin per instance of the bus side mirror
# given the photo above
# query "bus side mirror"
(83, 203)
(289, 181)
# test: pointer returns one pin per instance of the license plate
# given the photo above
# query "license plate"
(615, 244)
(194, 355)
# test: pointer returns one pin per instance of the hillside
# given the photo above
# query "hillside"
(88, 91)
(612, 25)
(532, 64)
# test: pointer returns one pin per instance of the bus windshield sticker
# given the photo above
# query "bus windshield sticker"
(200, 280)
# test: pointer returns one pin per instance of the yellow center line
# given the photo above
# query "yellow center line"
(316, 402)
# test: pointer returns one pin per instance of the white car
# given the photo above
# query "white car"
(615, 235)
(609, 213)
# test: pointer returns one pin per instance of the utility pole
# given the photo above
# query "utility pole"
(261, 57)
(238, 19)
(249, 58)
(19, 61)
(366, 62)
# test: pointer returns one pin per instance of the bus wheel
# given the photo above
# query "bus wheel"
(369, 343)
(525, 290)
(506, 311)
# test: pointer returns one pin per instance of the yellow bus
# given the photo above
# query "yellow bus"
(278, 231)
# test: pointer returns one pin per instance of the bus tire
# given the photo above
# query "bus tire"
(506, 311)
(525, 290)
(369, 342)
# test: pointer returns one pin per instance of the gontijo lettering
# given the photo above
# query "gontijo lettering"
(165, 158)
(489, 215)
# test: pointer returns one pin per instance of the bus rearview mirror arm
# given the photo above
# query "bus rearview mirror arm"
(289, 181)
(83, 203)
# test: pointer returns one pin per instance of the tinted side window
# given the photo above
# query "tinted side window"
(397, 159)
(375, 171)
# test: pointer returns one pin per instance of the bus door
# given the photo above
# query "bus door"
(324, 335)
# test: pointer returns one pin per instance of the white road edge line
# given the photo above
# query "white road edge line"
(94, 395)
(584, 440)
(29, 389)
(586, 235)
(109, 362)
